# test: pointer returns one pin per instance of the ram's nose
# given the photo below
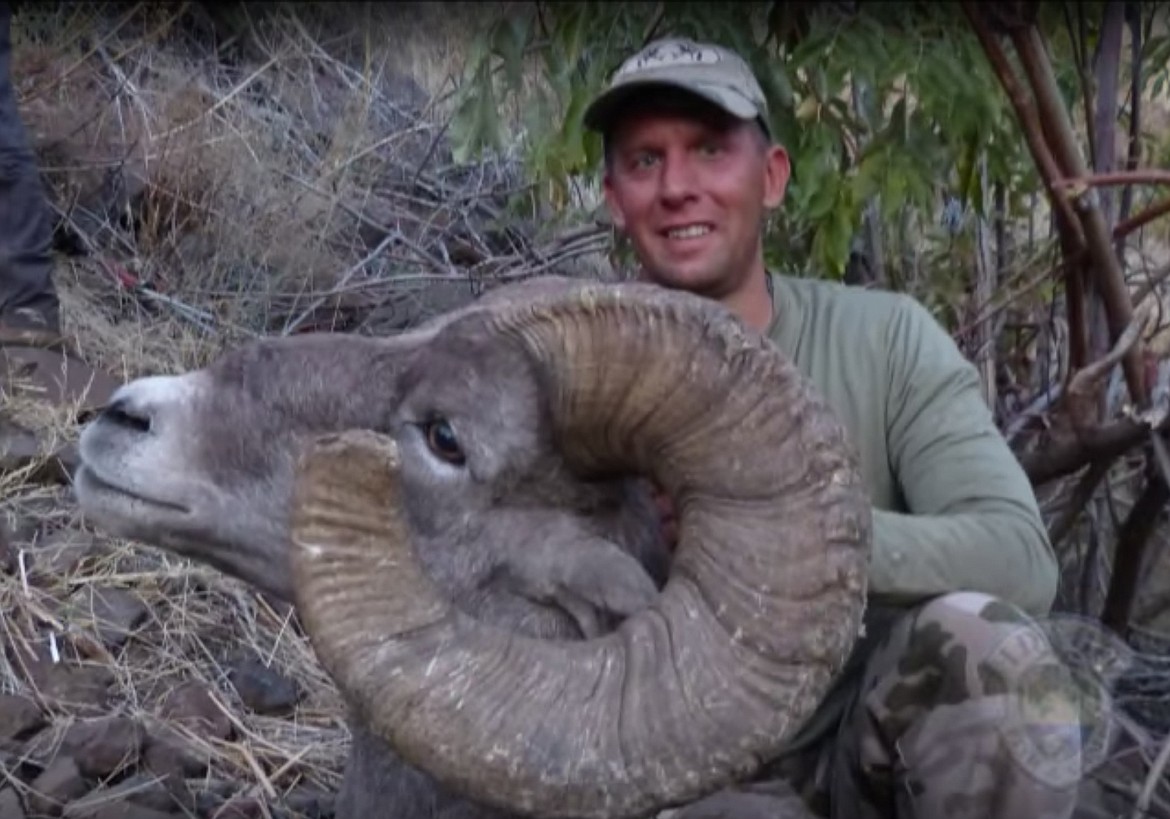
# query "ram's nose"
(140, 406)
(123, 413)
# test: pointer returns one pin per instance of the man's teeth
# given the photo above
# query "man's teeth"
(690, 232)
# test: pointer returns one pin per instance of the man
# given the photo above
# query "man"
(28, 300)
(33, 353)
(932, 717)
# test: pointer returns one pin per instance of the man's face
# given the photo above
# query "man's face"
(689, 186)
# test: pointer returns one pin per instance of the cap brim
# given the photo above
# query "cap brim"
(600, 113)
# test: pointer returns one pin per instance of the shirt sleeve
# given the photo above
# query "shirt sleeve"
(973, 522)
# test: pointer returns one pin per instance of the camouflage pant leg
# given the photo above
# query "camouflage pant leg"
(963, 710)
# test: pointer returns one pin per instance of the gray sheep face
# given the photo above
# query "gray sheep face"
(498, 517)
(202, 464)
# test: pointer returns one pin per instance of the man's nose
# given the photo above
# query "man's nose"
(678, 179)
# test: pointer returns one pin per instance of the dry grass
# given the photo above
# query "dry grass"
(305, 185)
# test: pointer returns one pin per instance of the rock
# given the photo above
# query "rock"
(208, 804)
(18, 446)
(8, 556)
(25, 519)
(20, 718)
(68, 458)
(163, 767)
(21, 448)
(20, 530)
(211, 794)
(242, 807)
(191, 705)
(310, 803)
(62, 552)
(263, 689)
(170, 756)
(99, 808)
(58, 784)
(81, 688)
(113, 612)
(140, 790)
(103, 746)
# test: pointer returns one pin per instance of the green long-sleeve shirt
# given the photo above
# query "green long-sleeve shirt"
(953, 510)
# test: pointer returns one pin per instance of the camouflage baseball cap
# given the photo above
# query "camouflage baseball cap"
(710, 71)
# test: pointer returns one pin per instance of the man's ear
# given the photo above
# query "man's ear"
(611, 201)
(777, 171)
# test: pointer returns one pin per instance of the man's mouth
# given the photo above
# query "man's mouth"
(688, 231)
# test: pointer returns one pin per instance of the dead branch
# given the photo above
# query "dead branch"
(1134, 148)
(1109, 279)
(1107, 442)
(1078, 499)
(1140, 220)
(1145, 176)
(1083, 395)
(1104, 129)
(1130, 553)
(1072, 238)
(1156, 774)
(1030, 126)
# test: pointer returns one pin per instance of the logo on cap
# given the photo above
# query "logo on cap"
(674, 52)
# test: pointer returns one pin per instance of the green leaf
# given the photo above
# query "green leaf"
(571, 35)
(970, 192)
(820, 82)
(899, 127)
(822, 200)
(572, 132)
(476, 123)
(777, 87)
(480, 54)
(833, 240)
(872, 169)
(508, 40)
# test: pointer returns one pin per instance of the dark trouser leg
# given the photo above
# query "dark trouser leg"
(27, 294)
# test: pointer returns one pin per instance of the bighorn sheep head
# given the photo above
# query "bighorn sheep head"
(763, 602)
(457, 492)
(202, 464)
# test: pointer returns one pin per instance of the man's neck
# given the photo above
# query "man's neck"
(753, 302)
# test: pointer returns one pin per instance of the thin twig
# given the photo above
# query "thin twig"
(1155, 776)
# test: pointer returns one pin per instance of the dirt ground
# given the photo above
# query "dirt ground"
(133, 684)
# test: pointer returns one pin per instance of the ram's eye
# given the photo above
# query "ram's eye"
(442, 441)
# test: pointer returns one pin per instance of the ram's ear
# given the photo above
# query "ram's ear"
(590, 578)
(600, 585)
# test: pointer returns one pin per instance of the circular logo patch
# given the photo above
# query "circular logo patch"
(1057, 721)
